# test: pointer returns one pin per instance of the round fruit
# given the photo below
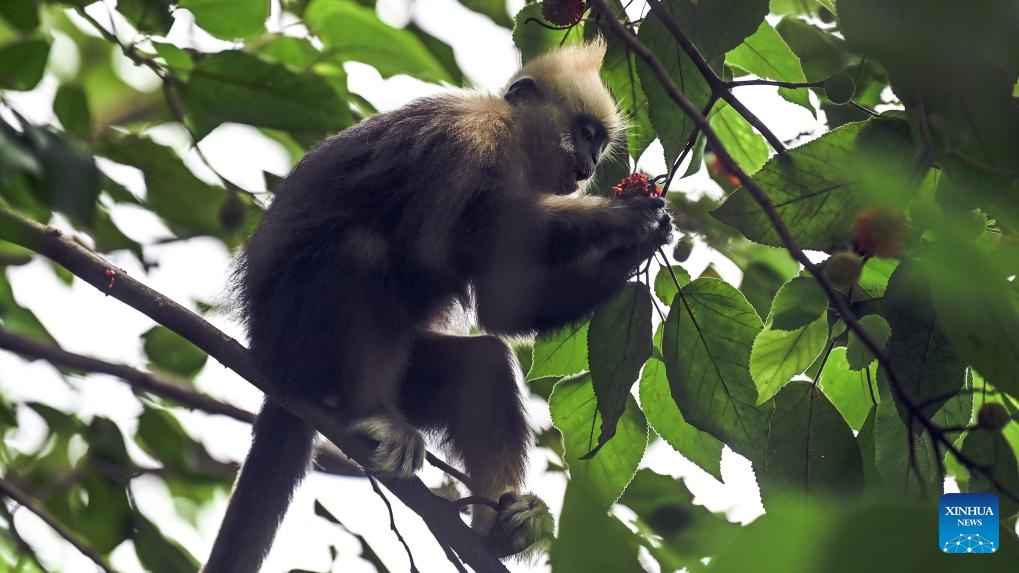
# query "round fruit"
(993, 416)
(232, 212)
(843, 269)
(562, 12)
(881, 230)
(839, 88)
(681, 252)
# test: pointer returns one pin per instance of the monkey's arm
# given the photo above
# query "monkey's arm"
(578, 259)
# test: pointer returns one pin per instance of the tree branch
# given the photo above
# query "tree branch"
(11, 491)
(762, 199)
(327, 460)
(147, 381)
(719, 88)
(441, 517)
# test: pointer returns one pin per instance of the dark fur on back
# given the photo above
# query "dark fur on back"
(372, 237)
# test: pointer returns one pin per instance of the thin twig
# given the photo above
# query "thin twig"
(12, 492)
(718, 86)
(689, 145)
(392, 521)
(476, 500)
(147, 381)
(775, 219)
(791, 85)
(448, 469)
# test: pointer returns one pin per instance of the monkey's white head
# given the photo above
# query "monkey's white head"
(567, 112)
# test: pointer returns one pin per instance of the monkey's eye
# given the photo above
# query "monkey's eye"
(587, 132)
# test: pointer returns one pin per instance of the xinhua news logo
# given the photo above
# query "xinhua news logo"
(968, 523)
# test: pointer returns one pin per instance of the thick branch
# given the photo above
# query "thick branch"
(441, 517)
(11, 491)
(762, 199)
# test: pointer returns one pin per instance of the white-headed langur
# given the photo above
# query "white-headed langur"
(462, 199)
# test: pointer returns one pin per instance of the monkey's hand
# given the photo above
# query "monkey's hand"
(399, 449)
(521, 521)
(640, 220)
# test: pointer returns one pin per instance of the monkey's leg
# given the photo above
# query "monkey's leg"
(469, 387)
(378, 363)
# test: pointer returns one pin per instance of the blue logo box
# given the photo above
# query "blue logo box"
(968, 523)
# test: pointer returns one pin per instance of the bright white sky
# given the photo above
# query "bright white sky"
(86, 322)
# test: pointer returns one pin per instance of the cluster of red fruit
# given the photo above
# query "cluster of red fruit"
(636, 185)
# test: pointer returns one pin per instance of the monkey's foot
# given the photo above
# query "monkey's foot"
(522, 521)
(399, 449)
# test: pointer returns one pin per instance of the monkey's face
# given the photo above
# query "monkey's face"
(589, 141)
(568, 121)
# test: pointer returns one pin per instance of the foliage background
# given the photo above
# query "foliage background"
(125, 135)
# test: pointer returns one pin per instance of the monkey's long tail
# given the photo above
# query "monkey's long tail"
(281, 448)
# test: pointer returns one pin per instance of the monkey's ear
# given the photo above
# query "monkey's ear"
(525, 89)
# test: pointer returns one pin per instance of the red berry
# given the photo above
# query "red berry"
(562, 12)
(881, 230)
(636, 185)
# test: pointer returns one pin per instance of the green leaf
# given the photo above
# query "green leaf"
(150, 16)
(708, 336)
(966, 84)
(173, 353)
(575, 413)
(187, 204)
(745, 145)
(589, 538)
(874, 280)
(766, 55)
(560, 353)
(442, 51)
(715, 28)
(158, 553)
(665, 418)
(927, 366)
(619, 342)
(846, 389)
(619, 71)
(778, 355)
(22, 63)
(352, 32)
(811, 450)
(971, 298)
(821, 54)
(816, 187)
(990, 451)
(21, 15)
(798, 303)
(494, 9)
(858, 355)
(71, 107)
(178, 60)
(886, 534)
(229, 19)
(665, 284)
(237, 87)
(906, 461)
(688, 532)
(533, 39)
(70, 180)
